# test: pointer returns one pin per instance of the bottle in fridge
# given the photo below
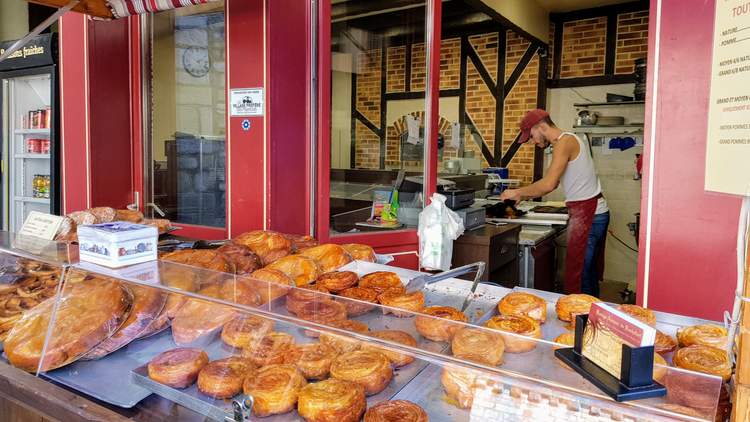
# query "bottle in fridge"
(28, 126)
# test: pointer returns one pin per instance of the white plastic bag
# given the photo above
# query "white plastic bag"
(439, 226)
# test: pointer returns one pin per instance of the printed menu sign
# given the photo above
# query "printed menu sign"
(728, 138)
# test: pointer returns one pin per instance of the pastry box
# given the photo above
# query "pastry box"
(117, 244)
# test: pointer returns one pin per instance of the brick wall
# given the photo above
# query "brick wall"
(584, 44)
(632, 40)
(480, 103)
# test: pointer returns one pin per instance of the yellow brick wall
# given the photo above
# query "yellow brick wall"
(632, 40)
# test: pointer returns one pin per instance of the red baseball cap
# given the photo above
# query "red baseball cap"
(529, 120)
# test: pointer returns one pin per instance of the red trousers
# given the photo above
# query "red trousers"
(581, 217)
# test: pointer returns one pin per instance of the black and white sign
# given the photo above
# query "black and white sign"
(246, 102)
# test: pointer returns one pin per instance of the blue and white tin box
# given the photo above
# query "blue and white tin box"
(117, 244)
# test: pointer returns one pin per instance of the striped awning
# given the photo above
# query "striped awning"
(123, 8)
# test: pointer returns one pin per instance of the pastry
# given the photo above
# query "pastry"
(337, 281)
(246, 330)
(568, 305)
(526, 304)
(270, 349)
(300, 269)
(268, 245)
(342, 344)
(300, 242)
(330, 257)
(176, 277)
(82, 217)
(358, 300)
(270, 283)
(458, 385)
(203, 258)
(396, 411)
(566, 339)
(411, 302)
(245, 261)
(439, 325)
(705, 334)
(23, 286)
(322, 312)
(332, 400)
(520, 328)
(177, 368)
(103, 214)
(200, 318)
(360, 252)
(301, 295)
(312, 359)
(148, 303)
(660, 367)
(88, 312)
(706, 359)
(401, 337)
(223, 378)
(640, 313)
(380, 281)
(68, 231)
(133, 216)
(371, 370)
(478, 342)
(664, 343)
(162, 224)
(275, 389)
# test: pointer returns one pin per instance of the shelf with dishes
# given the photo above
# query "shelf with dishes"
(608, 104)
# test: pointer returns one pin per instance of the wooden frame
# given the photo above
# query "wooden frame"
(96, 8)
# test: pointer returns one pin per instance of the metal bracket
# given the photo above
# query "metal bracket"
(38, 29)
(243, 408)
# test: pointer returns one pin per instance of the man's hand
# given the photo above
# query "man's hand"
(513, 194)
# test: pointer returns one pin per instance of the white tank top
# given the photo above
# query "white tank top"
(579, 180)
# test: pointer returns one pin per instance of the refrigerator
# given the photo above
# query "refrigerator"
(29, 96)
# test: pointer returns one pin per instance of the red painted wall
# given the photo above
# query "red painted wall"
(693, 234)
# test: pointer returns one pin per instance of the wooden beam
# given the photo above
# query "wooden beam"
(416, 95)
(365, 121)
(520, 67)
(500, 95)
(557, 51)
(610, 53)
(407, 68)
(486, 153)
(541, 102)
(485, 75)
(462, 90)
(353, 142)
(511, 152)
(383, 102)
(590, 80)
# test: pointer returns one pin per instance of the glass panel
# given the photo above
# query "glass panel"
(378, 78)
(186, 149)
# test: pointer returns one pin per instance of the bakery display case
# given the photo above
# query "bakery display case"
(169, 341)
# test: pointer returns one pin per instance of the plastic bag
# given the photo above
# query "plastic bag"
(439, 226)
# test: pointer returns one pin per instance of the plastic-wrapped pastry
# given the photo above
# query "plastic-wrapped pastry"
(332, 400)
(640, 313)
(223, 378)
(397, 359)
(301, 269)
(344, 344)
(296, 298)
(371, 370)
(270, 283)
(275, 389)
(245, 261)
(268, 245)
(396, 410)
(434, 327)
(706, 359)
(664, 343)
(478, 342)
(246, 330)
(148, 303)
(705, 334)
(525, 304)
(689, 389)
(177, 368)
(459, 385)
(270, 349)
(521, 326)
(312, 359)
(574, 304)
(177, 277)
(413, 302)
(356, 307)
(203, 258)
(360, 252)
(380, 281)
(88, 312)
(300, 242)
(337, 281)
(330, 257)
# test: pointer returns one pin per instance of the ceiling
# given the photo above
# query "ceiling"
(557, 6)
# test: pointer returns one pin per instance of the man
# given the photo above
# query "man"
(572, 165)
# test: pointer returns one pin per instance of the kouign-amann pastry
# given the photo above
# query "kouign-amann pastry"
(300, 269)
(268, 245)
(177, 368)
(245, 261)
(705, 334)
(269, 350)
(396, 410)
(371, 370)
(397, 359)
(569, 305)
(413, 302)
(275, 389)
(360, 252)
(246, 330)
(312, 359)
(640, 313)
(330, 257)
(359, 294)
(344, 344)
(223, 378)
(525, 304)
(478, 342)
(434, 327)
(337, 281)
(380, 281)
(332, 400)
(519, 327)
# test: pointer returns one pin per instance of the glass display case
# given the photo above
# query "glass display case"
(175, 342)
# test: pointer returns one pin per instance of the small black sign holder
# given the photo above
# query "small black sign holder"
(636, 379)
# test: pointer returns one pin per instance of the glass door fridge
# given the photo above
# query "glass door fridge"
(29, 162)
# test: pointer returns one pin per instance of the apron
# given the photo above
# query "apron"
(580, 218)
